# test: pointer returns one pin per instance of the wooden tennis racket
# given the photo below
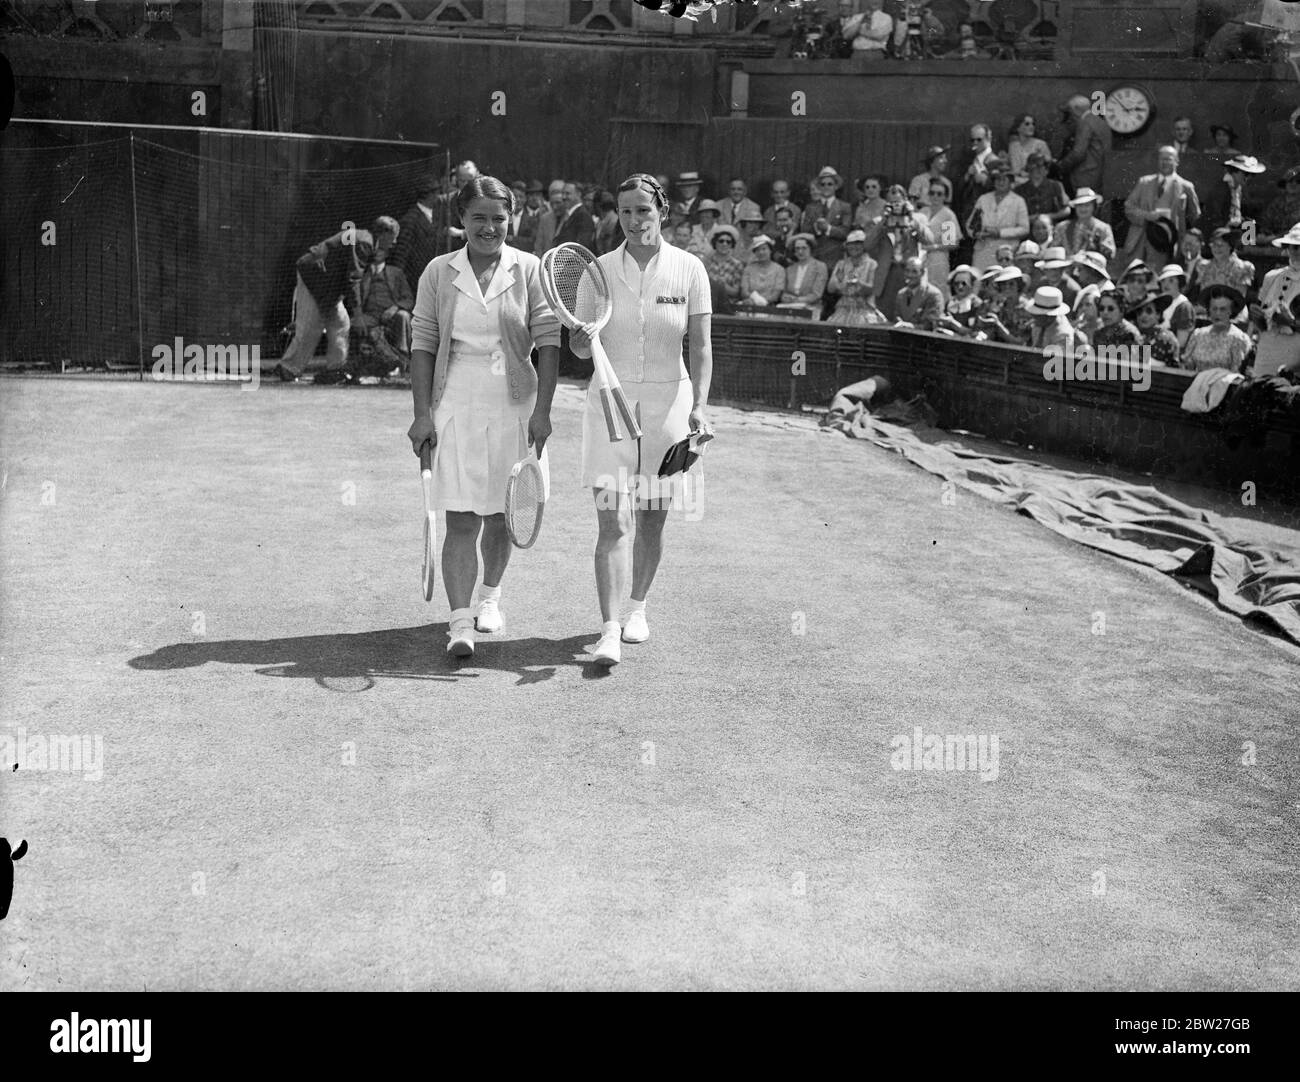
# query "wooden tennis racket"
(578, 292)
(430, 521)
(525, 500)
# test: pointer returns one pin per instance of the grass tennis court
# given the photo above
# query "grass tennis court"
(301, 790)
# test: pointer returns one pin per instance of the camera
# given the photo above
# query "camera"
(897, 215)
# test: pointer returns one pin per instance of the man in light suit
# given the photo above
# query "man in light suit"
(737, 206)
(918, 304)
(1165, 199)
(827, 217)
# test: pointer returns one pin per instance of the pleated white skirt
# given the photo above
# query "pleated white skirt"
(482, 432)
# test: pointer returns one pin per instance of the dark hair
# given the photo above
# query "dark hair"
(484, 188)
(877, 177)
(1020, 119)
(605, 201)
(645, 182)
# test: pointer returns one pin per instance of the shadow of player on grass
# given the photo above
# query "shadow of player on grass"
(351, 662)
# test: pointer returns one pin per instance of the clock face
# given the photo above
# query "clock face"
(1128, 110)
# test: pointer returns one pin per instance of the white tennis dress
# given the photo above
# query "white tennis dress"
(482, 431)
(643, 338)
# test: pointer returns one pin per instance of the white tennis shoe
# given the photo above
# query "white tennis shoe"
(489, 616)
(636, 629)
(461, 633)
(608, 651)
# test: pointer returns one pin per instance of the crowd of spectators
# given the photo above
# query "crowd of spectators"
(966, 249)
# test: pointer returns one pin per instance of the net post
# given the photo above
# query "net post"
(139, 283)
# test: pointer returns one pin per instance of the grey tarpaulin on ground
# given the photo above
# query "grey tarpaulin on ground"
(1136, 522)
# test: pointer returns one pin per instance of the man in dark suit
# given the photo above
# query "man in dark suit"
(529, 216)
(688, 190)
(326, 298)
(576, 226)
(417, 239)
(383, 331)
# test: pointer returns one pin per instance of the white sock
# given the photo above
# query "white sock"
(460, 614)
(489, 593)
(635, 606)
(610, 627)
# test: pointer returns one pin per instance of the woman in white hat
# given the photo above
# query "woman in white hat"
(999, 216)
(1084, 313)
(962, 306)
(1085, 232)
(724, 268)
(708, 214)
(479, 312)
(1223, 204)
(1180, 317)
(854, 282)
(660, 295)
(1053, 267)
(1013, 307)
(764, 279)
(1279, 335)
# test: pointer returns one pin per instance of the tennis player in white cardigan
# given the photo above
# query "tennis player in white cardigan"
(479, 311)
(660, 294)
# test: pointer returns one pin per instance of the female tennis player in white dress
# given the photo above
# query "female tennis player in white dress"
(479, 312)
(660, 294)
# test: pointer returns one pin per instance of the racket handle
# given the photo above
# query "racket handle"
(625, 412)
(611, 423)
(426, 457)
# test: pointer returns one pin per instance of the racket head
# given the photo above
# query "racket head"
(525, 502)
(576, 286)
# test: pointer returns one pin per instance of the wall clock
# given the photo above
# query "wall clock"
(1129, 109)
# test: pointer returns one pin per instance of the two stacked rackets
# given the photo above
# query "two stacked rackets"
(578, 292)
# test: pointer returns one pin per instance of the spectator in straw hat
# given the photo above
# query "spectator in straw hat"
(1084, 231)
(853, 281)
(1274, 314)
(763, 280)
(962, 307)
(1180, 317)
(1223, 203)
(1055, 266)
(936, 165)
(827, 217)
(1041, 194)
(688, 195)
(1284, 211)
(1027, 257)
(1222, 344)
(1136, 281)
(1160, 208)
(750, 225)
(998, 216)
(1089, 268)
(1049, 326)
(707, 212)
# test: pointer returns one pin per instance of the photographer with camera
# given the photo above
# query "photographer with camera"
(899, 235)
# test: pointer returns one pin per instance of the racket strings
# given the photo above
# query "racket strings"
(526, 498)
(578, 287)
